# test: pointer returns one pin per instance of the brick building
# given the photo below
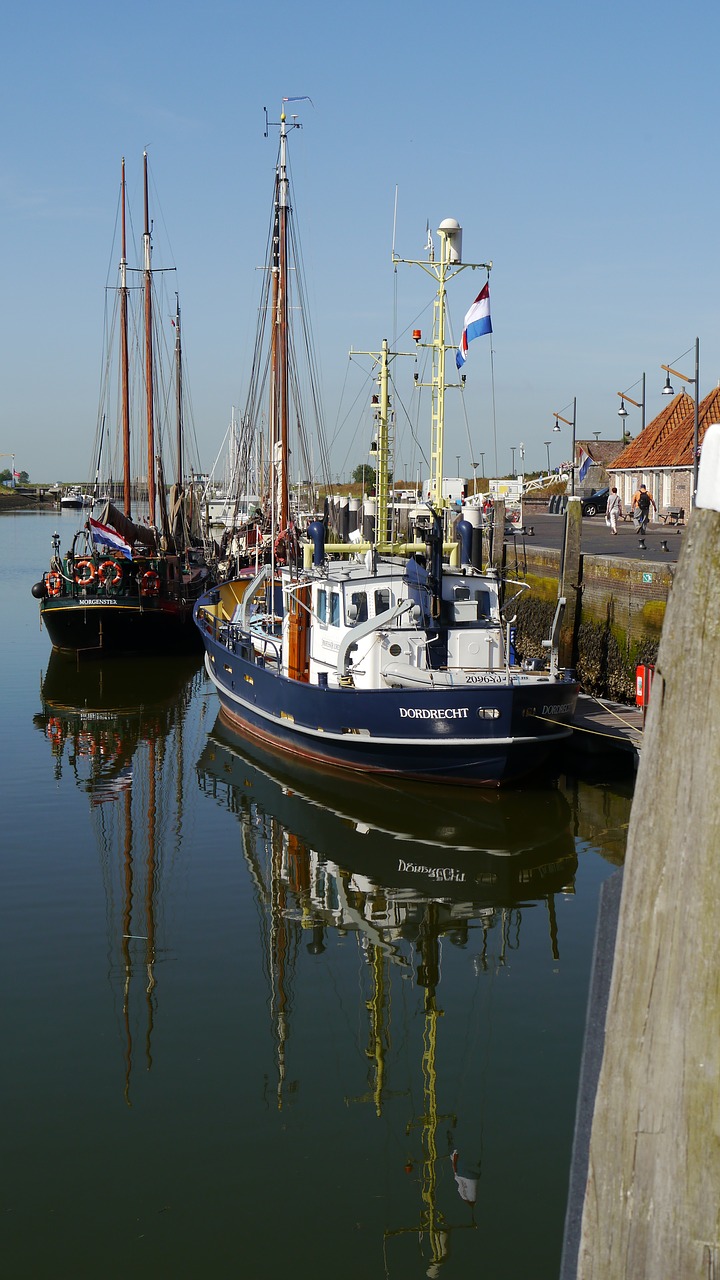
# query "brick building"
(661, 457)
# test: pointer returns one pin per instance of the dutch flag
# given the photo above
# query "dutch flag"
(104, 536)
(477, 322)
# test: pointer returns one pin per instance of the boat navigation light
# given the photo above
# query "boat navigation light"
(417, 335)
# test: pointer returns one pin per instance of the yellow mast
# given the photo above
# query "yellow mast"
(450, 263)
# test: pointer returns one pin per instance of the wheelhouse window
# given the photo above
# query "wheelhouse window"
(322, 605)
(382, 600)
(334, 609)
(357, 609)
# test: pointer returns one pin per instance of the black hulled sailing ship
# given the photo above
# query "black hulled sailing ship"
(129, 578)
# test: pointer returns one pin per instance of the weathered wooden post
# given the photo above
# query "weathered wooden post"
(569, 585)
(497, 557)
(652, 1200)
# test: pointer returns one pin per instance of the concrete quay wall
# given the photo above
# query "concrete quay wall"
(622, 607)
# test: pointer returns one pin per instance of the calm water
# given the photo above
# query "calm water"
(249, 1015)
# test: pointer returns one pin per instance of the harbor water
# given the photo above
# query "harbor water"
(263, 1022)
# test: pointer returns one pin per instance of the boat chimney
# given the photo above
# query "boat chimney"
(452, 231)
(316, 533)
(464, 533)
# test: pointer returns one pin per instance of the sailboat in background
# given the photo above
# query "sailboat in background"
(230, 502)
(128, 582)
(398, 658)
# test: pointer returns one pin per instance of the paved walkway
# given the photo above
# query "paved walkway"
(662, 542)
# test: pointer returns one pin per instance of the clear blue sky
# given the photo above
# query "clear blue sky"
(576, 145)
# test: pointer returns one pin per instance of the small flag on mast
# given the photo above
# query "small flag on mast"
(477, 322)
(584, 465)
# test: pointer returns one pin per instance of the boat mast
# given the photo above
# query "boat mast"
(124, 356)
(178, 392)
(147, 273)
(450, 263)
(279, 453)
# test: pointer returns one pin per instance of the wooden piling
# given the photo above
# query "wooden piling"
(497, 550)
(569, 585)
(652, 1199)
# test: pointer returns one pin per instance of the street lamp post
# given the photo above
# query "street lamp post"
(668, 391)
(569, 423)
(547, 446)
(639, 404)
(513, 447)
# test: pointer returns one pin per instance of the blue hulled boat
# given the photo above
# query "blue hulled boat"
(389, 658)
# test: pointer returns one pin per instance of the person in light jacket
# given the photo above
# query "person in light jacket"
(613, 510)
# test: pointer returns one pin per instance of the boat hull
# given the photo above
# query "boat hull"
(484, 734)
(119, 625)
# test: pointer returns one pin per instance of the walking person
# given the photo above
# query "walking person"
(613, 510)
(642, 501)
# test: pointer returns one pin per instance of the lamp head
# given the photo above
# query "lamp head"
(622, 411)
(557, 425)
(668, 389)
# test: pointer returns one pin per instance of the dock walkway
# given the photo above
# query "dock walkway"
(600, 725)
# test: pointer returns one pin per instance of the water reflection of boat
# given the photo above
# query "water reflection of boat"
(405, 875)
(120, 733)
(475, 847)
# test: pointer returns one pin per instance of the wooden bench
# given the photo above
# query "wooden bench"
(674, 516)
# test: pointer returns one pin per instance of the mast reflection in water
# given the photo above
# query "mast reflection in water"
(404, 870)
(119, 731)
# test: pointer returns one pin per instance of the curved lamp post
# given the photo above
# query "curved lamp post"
(668, 390)
(569, 423)
(639, 404)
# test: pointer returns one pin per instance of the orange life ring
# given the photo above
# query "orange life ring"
(53, 582)
(85, 573)
(110, 573)
(150, 583)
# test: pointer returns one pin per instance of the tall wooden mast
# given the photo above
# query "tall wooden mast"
(279, 455)
(147, 275)
(178, 392)
(124, 356)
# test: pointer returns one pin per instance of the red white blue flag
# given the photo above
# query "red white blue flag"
(584, 464)
(477, 322)
(105, 536)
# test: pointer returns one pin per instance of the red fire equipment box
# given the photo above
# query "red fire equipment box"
(643, 685)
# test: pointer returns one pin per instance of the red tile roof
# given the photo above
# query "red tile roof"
(667, 441)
